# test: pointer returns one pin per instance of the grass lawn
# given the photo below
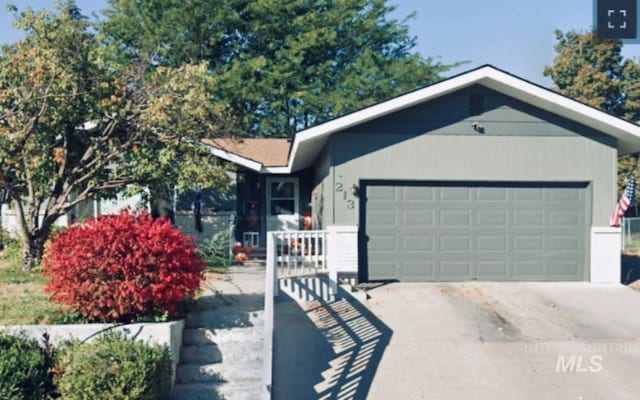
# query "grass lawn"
(22, 297)
(23, 300)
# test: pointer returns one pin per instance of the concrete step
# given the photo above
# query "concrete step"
(218, 391)
(216, 300)
(224, 318)
(254, 263)
(200, 354)
(191, 336)
(229, 352)
(238, 373)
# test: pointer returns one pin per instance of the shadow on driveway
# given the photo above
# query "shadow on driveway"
(324, 349)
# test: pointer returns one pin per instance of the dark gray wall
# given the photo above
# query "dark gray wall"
(436, 141)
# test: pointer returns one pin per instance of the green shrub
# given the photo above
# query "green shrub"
(4, 237)
(216, 249)
(114, 367)
(11, 249)
(24, 368)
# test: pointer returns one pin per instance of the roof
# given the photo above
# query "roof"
(252, 153)
(308, 143)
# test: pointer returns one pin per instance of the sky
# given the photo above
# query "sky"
(516, 36)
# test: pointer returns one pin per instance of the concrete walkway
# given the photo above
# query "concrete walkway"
(324, 348)
(222, 355)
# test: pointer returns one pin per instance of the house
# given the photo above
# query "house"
(482, 176)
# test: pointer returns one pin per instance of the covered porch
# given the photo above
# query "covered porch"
(271, 203)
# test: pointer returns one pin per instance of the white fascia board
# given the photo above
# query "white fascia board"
(276, 170)
(236, 159)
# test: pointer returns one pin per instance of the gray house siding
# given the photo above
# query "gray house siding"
(502, 116)
(322, 192)
(435, 141)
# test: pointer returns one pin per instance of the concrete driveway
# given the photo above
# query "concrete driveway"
(507, 341)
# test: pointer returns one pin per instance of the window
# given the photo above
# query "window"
(283, 200)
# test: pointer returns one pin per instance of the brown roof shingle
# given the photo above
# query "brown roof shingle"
(270, 152)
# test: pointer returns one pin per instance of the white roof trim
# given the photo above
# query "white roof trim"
(495, 79)
(276, 170)
(236, 159)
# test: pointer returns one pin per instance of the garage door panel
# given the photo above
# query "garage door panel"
(528, 244)
(455, 193)
(455, 244)
(384, 217)
(568, 243)
(381, 193)
(563, 268)
(421, 193)
(564, 218)
(455, 270)
(489, 268)
(489, 231)
(421, 218)
(492, 194)
(383, 243)
(528, 268)
(526, 218)
(385, 270)
(495, 218)
(418, 270)
(423, 243)
(455, 217)
(491, 244)
(524, 194)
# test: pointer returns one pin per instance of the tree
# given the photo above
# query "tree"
(594, 72)
(282, 65)
(76, 124)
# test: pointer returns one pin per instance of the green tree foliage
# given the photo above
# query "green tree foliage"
(594, 72)
(76, 123)
(281, 65)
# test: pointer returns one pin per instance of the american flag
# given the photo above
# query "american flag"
(623, 204)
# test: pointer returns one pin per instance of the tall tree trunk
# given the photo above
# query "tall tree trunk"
(34, 235)
(1, 229)
(33, 249)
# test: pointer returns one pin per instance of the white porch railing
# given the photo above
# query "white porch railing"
(304, 252)
(300, 252)
(296, 253)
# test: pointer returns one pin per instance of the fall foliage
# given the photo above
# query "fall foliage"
(120, 267)
(76, 123)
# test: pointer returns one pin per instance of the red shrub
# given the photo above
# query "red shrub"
(122, 266)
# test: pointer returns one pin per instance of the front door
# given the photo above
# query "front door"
(282, 204)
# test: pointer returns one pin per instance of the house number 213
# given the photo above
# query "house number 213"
(351, 204)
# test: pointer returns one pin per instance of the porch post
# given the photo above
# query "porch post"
(272, 271)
